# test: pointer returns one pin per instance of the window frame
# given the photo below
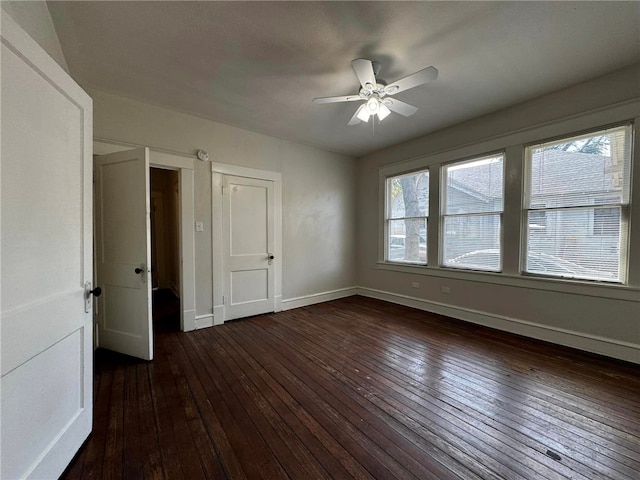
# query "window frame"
(442, 216)
(387, 219)
(513, 142)
(625, 214)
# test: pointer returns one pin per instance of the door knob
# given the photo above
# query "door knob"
(96, 292)
(270, 257)
(138, 270)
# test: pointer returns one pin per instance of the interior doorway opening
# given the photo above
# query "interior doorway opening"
(165, 248)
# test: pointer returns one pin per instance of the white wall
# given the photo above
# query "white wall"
(600, 319)
(35, 19)
(318, 194)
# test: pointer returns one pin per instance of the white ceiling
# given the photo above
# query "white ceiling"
(258, 65)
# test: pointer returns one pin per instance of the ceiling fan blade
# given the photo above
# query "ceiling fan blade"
(346, 98)
(364, 71)
(400, 107)
(415, 79)
(355, 120)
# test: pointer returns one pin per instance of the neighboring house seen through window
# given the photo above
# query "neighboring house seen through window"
(581, 186)
(472, 204)
(407, 210)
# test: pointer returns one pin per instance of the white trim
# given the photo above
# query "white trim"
(238, 171)
(583, 121)
(116, 144)
(218, 315)
(218, 170)
(314, 298)
(582, 341)
(204, 321)
(184, 166)
(534, 282)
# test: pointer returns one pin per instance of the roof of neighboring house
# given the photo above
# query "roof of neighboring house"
(572, 172)
(482, 181)
(553, 172)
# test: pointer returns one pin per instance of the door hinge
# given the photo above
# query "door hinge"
(222, 188)
(224, 299)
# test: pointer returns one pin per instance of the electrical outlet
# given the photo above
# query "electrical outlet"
(446, 290)
(415, 285)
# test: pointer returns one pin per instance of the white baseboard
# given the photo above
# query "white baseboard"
(204, 321)
(189, 320)
(317, 298)
(218, 314)
(582, 341)
(278, 303)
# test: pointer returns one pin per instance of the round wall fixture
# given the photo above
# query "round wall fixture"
(203, 155)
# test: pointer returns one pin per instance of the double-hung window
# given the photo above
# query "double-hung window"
(407, 211)
(581, 185)
(472, 205)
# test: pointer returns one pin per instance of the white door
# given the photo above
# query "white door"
(248, 246)
(123, 252)
(46, 230)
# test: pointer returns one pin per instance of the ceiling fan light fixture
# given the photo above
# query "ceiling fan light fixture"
(383, 112)
(363, 114)
(373, 105)
(374, 92)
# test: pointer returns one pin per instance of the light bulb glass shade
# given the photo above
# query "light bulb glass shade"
(373, 104)
(383, 112)
(363, 114)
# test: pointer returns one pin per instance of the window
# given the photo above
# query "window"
(407, 198)
(581, 185)
(606, 221)
(472, 204)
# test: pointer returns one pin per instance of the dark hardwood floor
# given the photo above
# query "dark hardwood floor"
(358, 388)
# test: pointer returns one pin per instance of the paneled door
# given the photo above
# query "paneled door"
(123, 252)
(248, 246)
(47, 268)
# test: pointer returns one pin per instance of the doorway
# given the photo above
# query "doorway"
(181, 165)
(247, 224)
(165, 248)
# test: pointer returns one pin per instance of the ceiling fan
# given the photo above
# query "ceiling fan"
(375, 92)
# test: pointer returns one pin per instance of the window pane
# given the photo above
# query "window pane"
(472, 241)
(407, 241)
(408, 195)
(475, 186)
(579, 170)
(569, 246)
(581, 185)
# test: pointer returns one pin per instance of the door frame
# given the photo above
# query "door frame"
(218, 171)
(184, 165)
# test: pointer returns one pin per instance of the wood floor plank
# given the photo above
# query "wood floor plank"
(359, 388)
(501, 379)
(132, 468)
(439, 415)
(287, 366)
(256, 455)
(471, 405)
(150, 458)
(337, 462)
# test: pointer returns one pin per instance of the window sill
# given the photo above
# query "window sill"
(575, 287)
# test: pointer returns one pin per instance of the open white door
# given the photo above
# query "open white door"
(248, 246)
(123, 252)
(46, 230)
